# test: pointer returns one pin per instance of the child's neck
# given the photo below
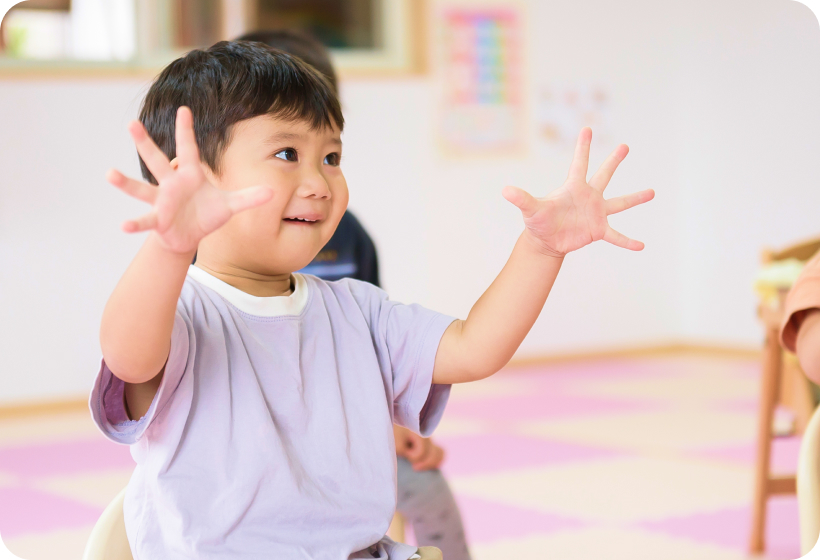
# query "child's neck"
(252, 283)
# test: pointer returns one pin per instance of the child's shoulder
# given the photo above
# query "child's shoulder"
(346, 292)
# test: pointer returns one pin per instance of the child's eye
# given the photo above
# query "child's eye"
(332, 159)
(288, 154)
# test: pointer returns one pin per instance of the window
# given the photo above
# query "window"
(340, 24)
(69, 29)
(362, 34)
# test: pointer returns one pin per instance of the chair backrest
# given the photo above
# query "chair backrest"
(108, 540)
(802, 251)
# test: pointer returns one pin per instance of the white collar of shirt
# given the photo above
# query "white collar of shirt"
(275, 306)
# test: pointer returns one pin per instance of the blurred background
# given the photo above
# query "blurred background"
(643, 373)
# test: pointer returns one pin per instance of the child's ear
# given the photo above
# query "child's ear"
(209, 174)
(174, 164)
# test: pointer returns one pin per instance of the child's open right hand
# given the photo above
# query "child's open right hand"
(576, 214)
(185, 205)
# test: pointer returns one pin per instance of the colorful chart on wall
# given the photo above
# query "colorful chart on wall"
(482, 75)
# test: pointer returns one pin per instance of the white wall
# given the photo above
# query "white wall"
(748, 120)
(717, 101)
(61, 250)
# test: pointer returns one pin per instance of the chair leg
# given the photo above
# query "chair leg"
(396, 530)
(430, 553)
(772, 365)
(796, 393)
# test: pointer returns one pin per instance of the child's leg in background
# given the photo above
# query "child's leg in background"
(426, 502)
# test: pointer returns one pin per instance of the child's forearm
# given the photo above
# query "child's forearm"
(498, 322)
(185, 207)
(135, 335)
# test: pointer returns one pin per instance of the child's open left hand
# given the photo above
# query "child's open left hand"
(575, 215)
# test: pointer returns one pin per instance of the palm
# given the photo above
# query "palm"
(185, 205)
(572, 216)
(576, 214)
(188, 208)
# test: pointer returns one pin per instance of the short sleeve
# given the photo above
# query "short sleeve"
(107, 403)
(406, 339)
(804, 295)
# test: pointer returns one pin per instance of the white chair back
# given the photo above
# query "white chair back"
(108, 540)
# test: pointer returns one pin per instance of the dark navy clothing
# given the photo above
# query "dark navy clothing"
(350, 253)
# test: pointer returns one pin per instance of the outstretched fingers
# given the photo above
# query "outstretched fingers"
(249, 198)
(580, 161)
(525, 202)
(602, 177)
(143, 223)
(156, 161)
(619, 239)
(186, 146)
(621, 203)
(137, 189)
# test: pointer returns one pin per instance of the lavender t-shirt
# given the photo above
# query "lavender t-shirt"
(271, 434)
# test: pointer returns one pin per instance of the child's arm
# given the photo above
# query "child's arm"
(135, 334)
(569, 218)
(800, 331)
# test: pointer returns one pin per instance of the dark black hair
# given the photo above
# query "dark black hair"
(298, 43)
(230, 82)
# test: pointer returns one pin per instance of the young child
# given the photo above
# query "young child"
(259, 403)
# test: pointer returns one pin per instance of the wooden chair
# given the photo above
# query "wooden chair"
(782, 384)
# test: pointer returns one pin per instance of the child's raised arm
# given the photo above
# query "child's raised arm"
(569, 218)
(135, 334)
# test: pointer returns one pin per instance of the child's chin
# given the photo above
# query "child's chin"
(297, 260)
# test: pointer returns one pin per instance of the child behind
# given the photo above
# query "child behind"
(259, 403)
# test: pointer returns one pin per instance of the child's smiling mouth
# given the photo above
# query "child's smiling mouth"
(306, 219)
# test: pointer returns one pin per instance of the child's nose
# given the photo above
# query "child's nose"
(314, 185)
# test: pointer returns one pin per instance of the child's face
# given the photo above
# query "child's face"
(310, 195)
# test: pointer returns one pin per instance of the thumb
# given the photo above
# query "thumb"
(249, 198)
(522, 199)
